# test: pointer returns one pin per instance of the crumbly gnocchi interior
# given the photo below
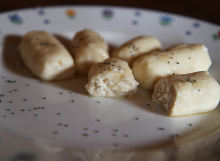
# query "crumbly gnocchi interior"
(111, 78)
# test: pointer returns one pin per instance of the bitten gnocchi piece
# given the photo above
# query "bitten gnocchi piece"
(88, 48)
(45, 56)
(134, 48)
(179, 59)
(111, 78)
(187, 94)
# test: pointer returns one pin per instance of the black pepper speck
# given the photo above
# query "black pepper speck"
(115, 144)
(55, 132)
(85, 134)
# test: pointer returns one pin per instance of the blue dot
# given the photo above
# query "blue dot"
(188, 33)
(137, 13)
(46, 22)
(134, 22)
(196, 25)
(41, 12)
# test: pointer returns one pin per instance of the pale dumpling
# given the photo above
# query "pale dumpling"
(134, 48)
(111, 78)
(45, 56)
(187, 94)
(178, 59)
(88, 48)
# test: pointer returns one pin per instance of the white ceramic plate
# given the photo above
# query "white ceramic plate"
(46, 120)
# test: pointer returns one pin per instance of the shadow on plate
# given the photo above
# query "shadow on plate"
(111, 49)
(214, 70)
(64, 40)
(143, 99)
(11, 57)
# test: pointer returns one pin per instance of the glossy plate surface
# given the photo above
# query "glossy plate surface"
(42, 120)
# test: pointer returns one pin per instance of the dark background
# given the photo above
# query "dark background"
(208, 10)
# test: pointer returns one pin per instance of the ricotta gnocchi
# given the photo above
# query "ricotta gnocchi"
(187, 94)
(111, 78)
(45, 56)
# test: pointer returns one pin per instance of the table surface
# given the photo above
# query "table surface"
(207, 10)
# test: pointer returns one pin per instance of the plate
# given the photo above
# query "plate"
(59, 121)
